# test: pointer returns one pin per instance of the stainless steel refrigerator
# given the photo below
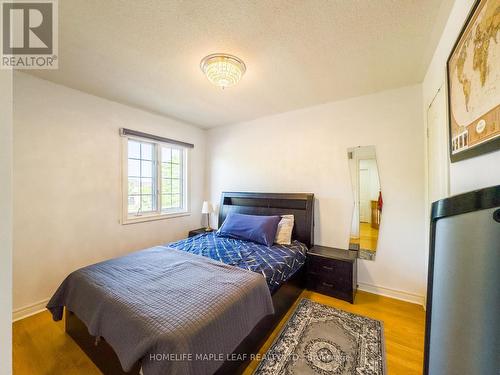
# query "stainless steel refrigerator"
(463, 292)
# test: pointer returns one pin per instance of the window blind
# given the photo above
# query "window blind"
(125, 132)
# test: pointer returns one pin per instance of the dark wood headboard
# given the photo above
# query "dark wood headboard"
(301, 205)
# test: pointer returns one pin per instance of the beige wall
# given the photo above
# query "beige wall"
(5, 221)
(306, 151)
(68, 189)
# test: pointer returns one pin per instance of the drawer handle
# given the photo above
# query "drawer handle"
(327, 284)
(329, 268)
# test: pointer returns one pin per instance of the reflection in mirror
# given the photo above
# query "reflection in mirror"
(367, 201)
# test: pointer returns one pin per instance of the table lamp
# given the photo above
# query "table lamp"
(207, 209)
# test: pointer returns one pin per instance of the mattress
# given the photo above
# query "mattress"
(276, 263)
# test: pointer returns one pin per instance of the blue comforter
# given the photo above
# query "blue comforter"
(276, 263)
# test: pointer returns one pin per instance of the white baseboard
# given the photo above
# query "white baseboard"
(393, 293)
(34, 308)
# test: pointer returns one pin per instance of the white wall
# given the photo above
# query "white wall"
(67, 201)
(5, 221)
(306, 151)
(472, 173)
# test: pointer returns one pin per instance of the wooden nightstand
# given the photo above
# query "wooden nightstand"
(332, 271)
(195, 232)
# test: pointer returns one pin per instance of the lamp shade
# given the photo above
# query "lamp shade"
(206, 208)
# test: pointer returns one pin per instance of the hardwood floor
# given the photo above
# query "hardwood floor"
(40, 345)
(403, 328)
(368, 237)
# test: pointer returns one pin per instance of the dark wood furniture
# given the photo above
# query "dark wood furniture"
(198, 231)
(332, 271)
(301, 205)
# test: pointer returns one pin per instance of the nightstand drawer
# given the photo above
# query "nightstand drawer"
(339, 284)
(329, 269)
(341, 289)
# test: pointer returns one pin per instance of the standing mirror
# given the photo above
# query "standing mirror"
(367, 201)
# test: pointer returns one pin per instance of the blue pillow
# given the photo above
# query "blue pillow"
(260, 229)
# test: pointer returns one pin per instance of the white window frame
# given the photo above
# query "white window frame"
(158, 214)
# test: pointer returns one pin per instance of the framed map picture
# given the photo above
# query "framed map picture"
(473, 72)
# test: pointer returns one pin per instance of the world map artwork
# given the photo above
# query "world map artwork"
(474, 80)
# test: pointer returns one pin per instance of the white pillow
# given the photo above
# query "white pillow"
(284, 232)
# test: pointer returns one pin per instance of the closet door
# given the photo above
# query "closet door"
(437, 149)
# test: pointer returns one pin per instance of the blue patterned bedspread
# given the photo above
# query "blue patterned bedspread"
(277, 263)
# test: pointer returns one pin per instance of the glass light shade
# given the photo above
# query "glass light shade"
(223, 70)
(206, 208)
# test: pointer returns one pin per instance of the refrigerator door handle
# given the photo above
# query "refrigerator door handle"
(496, 216)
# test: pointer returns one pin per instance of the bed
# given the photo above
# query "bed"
(225, 271)
(276, 263)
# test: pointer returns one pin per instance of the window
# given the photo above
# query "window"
(155, 180)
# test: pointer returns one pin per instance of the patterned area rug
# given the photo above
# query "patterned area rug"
(319, 339)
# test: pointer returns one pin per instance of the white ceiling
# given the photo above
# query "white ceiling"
(298, 52)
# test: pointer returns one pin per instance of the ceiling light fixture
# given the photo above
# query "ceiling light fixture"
(223, 70)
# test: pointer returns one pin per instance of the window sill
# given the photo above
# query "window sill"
(142, 219)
